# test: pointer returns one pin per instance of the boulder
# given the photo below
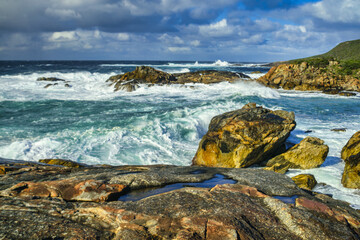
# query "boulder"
(244, 137)
(352, 147)
(305, 181)
(309, 153)
(351, 154)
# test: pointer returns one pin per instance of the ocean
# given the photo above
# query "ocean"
(90, 123)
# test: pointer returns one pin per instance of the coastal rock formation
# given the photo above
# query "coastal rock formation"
(208, 77)
(244, 137)
(351, 154)
(258, 201)
(305, 181)
(62, 162)
(147, 75)
(55, 80)
(305, 77)
(309, 153)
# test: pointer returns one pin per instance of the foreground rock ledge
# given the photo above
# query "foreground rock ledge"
(248, 209)
(243, 137)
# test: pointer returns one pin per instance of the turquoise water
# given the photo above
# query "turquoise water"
(90, 123)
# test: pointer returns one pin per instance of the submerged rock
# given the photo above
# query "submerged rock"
(351, 154)
(244, 137)
(247, 209)
(305, 181)
(130, 81)
(309, 153)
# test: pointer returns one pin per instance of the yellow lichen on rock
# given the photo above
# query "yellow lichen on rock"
(305, 181)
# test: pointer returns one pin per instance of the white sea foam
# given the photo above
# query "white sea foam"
(83, 86)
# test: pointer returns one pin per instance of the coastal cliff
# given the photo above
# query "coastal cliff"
(305, 76)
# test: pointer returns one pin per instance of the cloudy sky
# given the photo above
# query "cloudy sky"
(230, 30)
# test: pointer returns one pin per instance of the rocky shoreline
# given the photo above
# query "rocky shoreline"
(305, 77)
(261, 204)
(61, 199)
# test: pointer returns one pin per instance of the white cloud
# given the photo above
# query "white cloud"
(218, 29)
(195, 43)
(63, 14)
(171, 39)
(179, 49)
(123, 36)
(63, 36)
(255, 39)
(335, 11)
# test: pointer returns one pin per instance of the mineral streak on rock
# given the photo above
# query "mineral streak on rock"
(243, 137)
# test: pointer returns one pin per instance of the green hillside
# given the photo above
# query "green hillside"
(349, 50)
(345, 58)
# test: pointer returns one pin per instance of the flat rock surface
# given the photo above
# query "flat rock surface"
(259, 205)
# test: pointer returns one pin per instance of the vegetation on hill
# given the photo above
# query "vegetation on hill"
(344, 59)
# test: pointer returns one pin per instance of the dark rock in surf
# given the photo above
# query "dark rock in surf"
(130, 81)
(50, 79)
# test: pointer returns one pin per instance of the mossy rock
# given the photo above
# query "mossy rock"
(62, 162)
(305, 181)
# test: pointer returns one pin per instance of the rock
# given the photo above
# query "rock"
(147, 75)
(305, 181)
(304, 77)
(208, 77)
(309, 153)
(62, 162)
(338, 130)
(68, 189)
(50, 84)
(352, 147)
(243, 210)
(50, 79)
(351, 154)
(244, 137)
(347, 94)
(6, 169)
(254, 72)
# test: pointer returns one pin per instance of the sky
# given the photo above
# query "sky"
(192, 30)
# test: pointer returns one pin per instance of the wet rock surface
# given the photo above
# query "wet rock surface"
(244, 137)
(309, 153)
(351, 155)
(130, 81)
(247, 209)
(305, 181)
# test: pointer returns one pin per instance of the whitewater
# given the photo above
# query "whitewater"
(90, 123)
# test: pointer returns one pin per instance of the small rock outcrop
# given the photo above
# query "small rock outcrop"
(309, 153)
(244, 137)
(130, 81)
(305, 77)
(62, 162)
(351, 155)
(50, 79)
(305, 181)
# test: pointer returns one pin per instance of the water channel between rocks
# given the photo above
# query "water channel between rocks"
(143, 193)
